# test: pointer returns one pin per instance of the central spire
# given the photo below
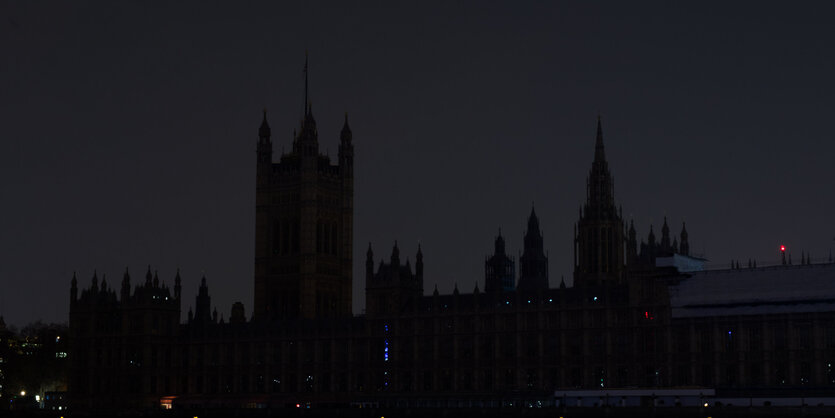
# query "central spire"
(599, 154)
(306, 100)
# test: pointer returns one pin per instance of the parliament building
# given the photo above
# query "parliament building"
(641, 314)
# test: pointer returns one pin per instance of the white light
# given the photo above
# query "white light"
(37, 398)
(22, 393)
(705, 404)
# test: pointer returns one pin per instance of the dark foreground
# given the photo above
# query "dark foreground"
(680, 412)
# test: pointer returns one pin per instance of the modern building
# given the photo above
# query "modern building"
(639, 315)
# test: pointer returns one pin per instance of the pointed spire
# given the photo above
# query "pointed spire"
(264, 130)
(684, 245)
(156, 279)
(533, 220)
(306, 102)
(651, 237)
(369, 254)
(177, 284)
(435, 292)
(499, 244)
(599, 154)
(562, 282)
(395, 254)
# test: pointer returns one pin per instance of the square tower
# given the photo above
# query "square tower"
(303, 227)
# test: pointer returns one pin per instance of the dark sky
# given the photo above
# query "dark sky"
(128, 131)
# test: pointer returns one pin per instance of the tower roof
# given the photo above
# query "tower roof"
(599, 152)
(264, 130)
(533, 221)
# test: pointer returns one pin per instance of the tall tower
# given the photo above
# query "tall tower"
(533, 264)
(599, 240)
(304, 208)
(499, 269)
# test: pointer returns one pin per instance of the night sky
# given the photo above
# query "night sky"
(129, 130)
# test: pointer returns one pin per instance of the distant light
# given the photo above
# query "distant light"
(705, 404)
(595, 298)
(57, 338)
(529, 301)
(550, 300)
(299, 406)
(37, 398)
(22, 393)
(783, 248)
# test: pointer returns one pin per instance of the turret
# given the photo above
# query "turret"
(265, 145)
(651, 238)
(125, 292)
(202, 302)
(95, 283)
(73, 289)
(346, 150)
(177, 285)
(665, 236)
(599, 241)
(632, 244)
(395, 255)
(419, 266)
(684, 245)
(369, 264)
(499, 269)
(148, 277)
(533, 264)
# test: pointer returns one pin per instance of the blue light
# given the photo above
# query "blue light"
(595, 298)
(550, 300)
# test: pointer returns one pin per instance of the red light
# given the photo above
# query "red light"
(298, 406)
(646, 314)
(783, 248)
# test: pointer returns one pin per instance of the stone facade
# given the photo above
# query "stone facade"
(623, 324)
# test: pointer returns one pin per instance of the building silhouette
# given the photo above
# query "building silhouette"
(304, 226)
(639, 315)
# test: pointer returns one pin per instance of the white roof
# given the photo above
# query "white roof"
(756, 291)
